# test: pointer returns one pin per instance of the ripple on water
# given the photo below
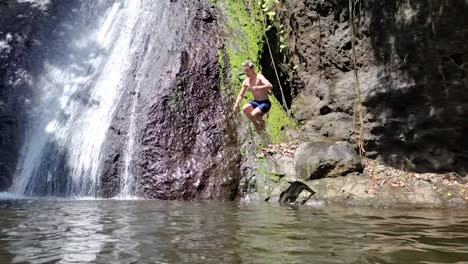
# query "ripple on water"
(113, 231)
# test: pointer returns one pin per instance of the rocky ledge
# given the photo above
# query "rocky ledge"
(314, 173)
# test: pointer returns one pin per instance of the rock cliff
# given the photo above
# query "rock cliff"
(412, 58)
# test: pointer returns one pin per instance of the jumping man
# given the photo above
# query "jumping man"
(259, 86)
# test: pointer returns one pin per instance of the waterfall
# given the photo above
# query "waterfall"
(127, 183)
(75, 98)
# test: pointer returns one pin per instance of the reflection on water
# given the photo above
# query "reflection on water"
(110, 231)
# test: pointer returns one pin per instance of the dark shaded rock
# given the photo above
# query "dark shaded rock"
(283, 93)
(8, 149)
(294, 192)
(19, 23)
(315, 160)
(412, 57)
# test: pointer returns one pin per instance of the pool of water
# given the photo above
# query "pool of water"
(110, 231)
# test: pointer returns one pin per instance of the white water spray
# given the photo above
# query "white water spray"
(75, 106)
(128, 179)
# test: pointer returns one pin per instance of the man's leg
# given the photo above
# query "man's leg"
(257, 113)
(248, 110)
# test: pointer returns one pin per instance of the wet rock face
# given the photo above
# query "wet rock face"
(186, 146)
(189, 150)
(412, 57)
(8, 148)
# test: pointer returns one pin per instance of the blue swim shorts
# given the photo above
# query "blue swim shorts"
(262, 105)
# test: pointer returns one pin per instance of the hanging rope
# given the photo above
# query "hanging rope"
(357, 87)
(285, 105)
(283, 98)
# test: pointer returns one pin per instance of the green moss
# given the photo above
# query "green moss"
(245, 42)
(274, 178)
(278, 122)
(173, 102)
(244, 36)
(242, 152)
(174, 94)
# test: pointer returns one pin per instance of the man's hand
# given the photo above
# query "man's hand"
(235, 108)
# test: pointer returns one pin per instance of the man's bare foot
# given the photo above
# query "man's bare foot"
(257, 127)
(262, 124)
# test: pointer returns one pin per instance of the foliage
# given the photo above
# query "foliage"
(268, 12)
(268, 8)
(245, 34)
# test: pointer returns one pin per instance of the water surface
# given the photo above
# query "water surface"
(111, 231)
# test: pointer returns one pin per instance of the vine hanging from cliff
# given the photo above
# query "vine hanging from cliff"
(267, 14)
(357, 88)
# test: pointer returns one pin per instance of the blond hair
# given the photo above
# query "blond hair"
(248, 64)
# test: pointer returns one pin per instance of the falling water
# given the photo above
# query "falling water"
(74, 105)
(127, 183)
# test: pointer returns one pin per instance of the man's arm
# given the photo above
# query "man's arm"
(265, 83)
(239, 97)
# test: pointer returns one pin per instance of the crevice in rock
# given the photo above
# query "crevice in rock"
(322, 171)
(325, 110)
(269, 72)
(294, 190)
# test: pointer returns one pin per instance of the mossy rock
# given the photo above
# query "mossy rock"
(245, 41)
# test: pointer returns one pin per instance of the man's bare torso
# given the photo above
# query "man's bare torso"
(259, 95)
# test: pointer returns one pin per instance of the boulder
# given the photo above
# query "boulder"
(316, 160)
